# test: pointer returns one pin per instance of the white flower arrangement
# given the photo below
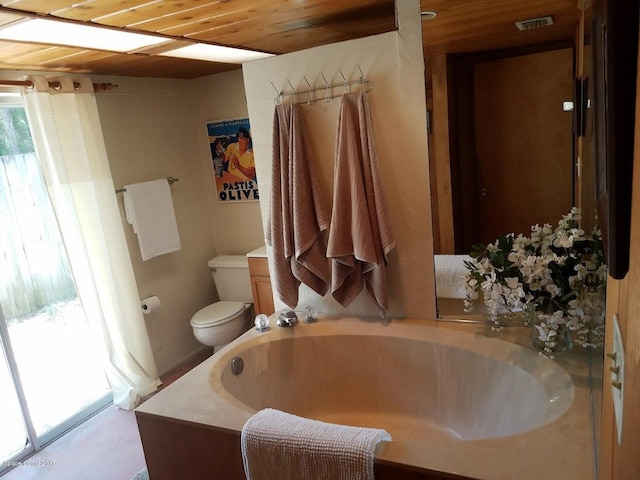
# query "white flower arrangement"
(557, 276)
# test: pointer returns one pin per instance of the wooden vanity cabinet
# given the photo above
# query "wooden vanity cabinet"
(261, 285)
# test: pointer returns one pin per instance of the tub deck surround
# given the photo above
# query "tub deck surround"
(514, 415)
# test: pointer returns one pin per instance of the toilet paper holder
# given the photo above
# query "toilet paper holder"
(150, 304)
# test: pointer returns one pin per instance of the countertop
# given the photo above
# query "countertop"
(258, 252)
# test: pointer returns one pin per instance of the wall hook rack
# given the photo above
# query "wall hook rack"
(309, 95)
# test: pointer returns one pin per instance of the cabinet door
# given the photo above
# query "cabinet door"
(262, 295)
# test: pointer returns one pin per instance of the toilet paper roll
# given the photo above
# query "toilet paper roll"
(150, 304)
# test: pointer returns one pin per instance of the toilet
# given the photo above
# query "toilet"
(223, 321)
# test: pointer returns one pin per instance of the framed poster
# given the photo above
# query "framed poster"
(233, 163)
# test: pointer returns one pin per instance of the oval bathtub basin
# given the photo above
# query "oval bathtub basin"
(434, 385)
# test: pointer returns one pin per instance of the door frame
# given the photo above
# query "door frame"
(449, 226)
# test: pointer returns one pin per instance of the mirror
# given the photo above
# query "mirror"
(448, 182)
(512, 165)
(506, 152)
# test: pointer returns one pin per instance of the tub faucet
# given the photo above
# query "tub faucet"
(287, 319)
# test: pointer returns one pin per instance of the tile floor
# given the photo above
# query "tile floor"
(105, 447)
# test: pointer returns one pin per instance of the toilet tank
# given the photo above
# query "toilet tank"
(231, 276)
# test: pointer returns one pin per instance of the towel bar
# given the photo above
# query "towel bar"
(169, 179)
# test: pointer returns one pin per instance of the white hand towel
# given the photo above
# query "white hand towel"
(280, 446)
(149, 209)
(450, 275)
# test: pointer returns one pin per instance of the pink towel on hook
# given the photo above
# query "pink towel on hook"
(360, 237)
(298, 212)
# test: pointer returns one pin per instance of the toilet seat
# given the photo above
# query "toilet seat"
(217, 313)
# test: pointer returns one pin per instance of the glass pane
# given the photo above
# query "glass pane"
(13, 435)
(58, 365)
(56, 357)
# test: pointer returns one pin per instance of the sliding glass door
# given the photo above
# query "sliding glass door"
(51, 374)
(14, 440)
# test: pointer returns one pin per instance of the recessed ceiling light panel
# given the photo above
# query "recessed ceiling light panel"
(76, 35)
(215, 53)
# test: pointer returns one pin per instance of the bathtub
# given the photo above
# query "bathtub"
(457, 404)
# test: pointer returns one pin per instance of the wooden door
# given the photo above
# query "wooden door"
(524, 141)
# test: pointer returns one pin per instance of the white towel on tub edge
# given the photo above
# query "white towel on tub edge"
(279, 446)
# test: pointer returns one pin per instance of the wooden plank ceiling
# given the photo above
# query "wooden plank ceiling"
(274, 26)
(473, 26)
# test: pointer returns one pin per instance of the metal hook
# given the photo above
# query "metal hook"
(327, 97)
(362, 79)
(346, 85)
(311, 96)
(295, 100)
(278, 98)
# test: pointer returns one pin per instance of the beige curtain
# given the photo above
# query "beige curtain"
(68, 139)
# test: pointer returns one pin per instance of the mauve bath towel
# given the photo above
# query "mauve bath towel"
(360, 237)
(298, 213)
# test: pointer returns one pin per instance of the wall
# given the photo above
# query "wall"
(620, 461)
(393, 62)
(149, 134)
(238, 225)
(155, 128)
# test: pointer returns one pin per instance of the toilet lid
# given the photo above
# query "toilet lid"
(216, 314)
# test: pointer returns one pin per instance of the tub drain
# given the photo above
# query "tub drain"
(237, 365)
